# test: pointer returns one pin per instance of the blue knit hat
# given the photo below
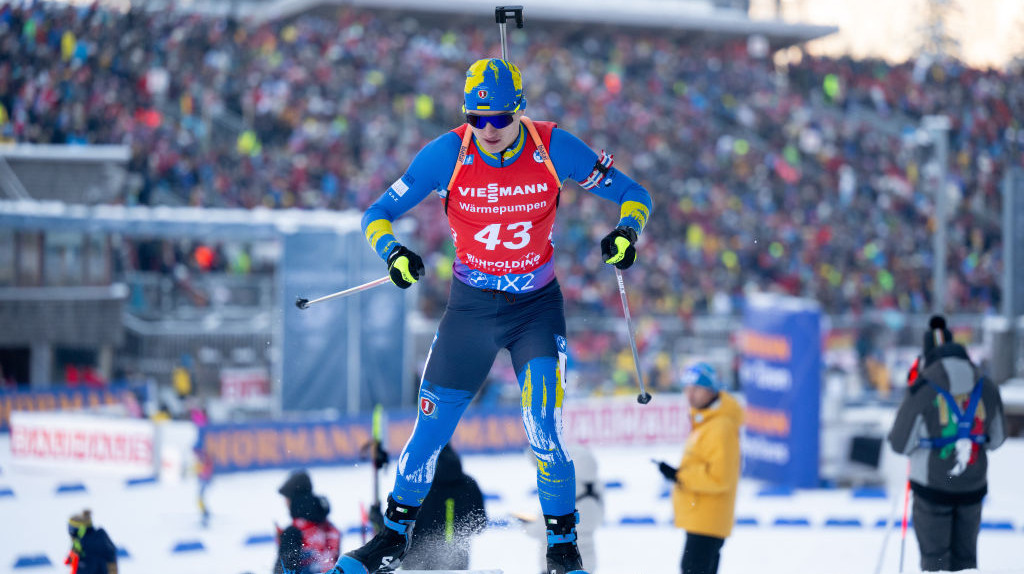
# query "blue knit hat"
(493, 85)
(701, 375)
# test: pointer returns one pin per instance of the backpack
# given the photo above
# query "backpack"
(965, 419)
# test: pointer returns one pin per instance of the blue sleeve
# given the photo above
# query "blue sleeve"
(429, 171)
(573, 159)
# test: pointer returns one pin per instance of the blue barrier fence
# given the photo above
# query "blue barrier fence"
(244, 447)
(64, 399)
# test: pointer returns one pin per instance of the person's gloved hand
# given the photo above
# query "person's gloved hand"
(667, 471)
(380, 456)
(617, 248)
(404, 266)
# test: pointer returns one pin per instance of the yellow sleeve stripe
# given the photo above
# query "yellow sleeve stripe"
(636, 210)
(376, 230)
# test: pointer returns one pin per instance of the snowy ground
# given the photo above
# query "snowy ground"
(149, 520)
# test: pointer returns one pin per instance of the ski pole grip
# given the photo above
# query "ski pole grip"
(503, 12)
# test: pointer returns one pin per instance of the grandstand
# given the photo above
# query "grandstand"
(696, 20)
(810, 178)
(143, 321)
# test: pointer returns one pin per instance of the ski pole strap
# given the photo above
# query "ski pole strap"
(965, 419)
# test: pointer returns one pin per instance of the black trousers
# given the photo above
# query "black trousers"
(947, 534)
(701, 554)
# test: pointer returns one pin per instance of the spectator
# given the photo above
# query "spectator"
(204, 463)
(450, 516)
(805, 178)
(181, 381)
(92, 551)
(705, 484)
(7, 382)
(204, 476)
(951, 416)
(311, 544)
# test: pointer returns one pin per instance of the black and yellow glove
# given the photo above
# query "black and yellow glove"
(617, 248)
(404, 266)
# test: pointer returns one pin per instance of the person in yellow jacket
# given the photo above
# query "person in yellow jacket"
(705, 484)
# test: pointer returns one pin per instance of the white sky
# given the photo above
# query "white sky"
(990, 32)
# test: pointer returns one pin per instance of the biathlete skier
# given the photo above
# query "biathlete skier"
(499, 177)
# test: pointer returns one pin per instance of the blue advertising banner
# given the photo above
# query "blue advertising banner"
(780, 374)
(315, 340)
(64, 399)
(243, 447)
(345, 354)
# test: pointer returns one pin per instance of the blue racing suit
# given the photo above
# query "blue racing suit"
(514, 304)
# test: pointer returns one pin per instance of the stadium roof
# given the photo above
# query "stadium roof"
(219, 224)
(702, 17)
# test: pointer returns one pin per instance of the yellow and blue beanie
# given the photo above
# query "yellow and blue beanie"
(701, 375)
(493, 84)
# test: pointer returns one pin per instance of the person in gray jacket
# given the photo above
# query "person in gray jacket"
(951, 416)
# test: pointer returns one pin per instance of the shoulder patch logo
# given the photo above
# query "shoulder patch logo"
(538, 156)
(427, 406)
(399, 187)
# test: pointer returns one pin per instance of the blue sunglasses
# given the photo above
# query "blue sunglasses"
(480, 122)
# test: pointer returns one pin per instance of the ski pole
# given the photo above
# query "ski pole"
(305, 303)
(887, 530)
(912, 379)
(644, 397)
(376, 445)
(904, 521)
(364, 524)
(503, 12)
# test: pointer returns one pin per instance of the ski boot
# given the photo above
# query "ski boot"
(563, 556)
(385, 550)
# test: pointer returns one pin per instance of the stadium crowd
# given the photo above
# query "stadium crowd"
(809, 177)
